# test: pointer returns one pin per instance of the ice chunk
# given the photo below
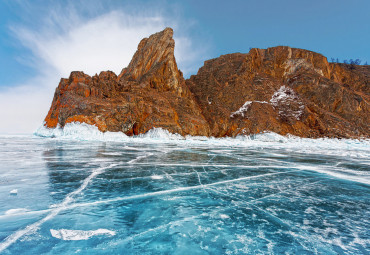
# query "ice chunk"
(16, 211)
(224, 216)
(156, 177)
(69, 234)
(159, 133)
(14, 192)
(79, 131)
(86, 132)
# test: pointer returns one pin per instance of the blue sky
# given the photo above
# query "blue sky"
(42, 41)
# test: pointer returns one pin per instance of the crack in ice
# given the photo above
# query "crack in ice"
(180, 189)
(54, 212)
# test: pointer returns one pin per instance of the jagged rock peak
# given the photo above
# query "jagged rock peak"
(154, 64)
(150, 51)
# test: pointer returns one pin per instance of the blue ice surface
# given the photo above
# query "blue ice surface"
(204, 197)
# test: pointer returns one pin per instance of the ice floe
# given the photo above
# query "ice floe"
(69, 234)
(14, 192)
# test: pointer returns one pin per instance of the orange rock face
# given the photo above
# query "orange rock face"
(280, 89)
(289, 91)
(150, 92)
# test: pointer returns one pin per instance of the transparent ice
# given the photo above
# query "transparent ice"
(84, 192)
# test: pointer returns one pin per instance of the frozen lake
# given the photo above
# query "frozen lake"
(161, 194)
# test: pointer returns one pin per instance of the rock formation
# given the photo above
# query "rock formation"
(280, 89)
(150, 92)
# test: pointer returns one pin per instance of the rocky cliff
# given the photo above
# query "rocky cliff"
(280, 89)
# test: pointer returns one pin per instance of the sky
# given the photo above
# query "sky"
(43, 41)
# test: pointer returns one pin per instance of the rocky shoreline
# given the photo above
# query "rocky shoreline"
(280, 89)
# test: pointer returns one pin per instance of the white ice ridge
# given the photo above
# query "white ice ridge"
(353, 148)
(55, 211)
(69, 234)
(79, 131)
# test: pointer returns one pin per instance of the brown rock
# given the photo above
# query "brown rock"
(150, 92)
(154, 65)
(290, 91)
(280, 89)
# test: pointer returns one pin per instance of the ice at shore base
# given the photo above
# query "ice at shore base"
(86, 132)
(325, 146)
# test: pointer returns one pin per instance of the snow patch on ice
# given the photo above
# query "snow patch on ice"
(156, 177)
(68, 234)
(16, 211)
(224, 216)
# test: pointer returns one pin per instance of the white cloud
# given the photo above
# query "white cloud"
(23, 108)
(106, 42)
(66, 41)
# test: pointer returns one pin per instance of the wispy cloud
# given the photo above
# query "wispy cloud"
(105, 42)
(68, 39)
